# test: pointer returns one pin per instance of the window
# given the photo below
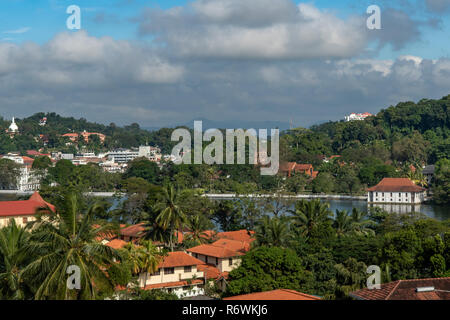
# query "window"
(169, 270)
(400, 195)
(157, 273)
(230, 262)
(195, 255)
(217, 261)
(187, 269)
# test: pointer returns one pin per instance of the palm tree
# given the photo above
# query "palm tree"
(342, 223)
(12, 259)
(308, 214)
(360, 224)
(68, 238)
(272, 232)
(197, 227)
(170, 216)
(150, 258)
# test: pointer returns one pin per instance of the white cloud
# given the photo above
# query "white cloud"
(18, 31)
(255, 29)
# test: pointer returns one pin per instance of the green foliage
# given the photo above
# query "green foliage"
(264, 269)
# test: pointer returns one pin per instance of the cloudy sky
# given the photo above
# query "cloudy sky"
(168, 62)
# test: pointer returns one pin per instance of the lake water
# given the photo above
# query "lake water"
(433, 211)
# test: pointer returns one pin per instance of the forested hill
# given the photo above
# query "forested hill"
(414, 132)
(116, 137)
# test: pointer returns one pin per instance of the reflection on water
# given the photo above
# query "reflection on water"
(432, 211)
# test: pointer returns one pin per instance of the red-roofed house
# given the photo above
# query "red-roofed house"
(279, 294)
(22, 211)
(396, 190)
(416, 289)
(177, 273)
(224, 254)
(289, 168)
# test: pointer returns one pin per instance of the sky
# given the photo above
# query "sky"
(167, 62)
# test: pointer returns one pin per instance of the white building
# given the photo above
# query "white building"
(396, 191)
(357, 116)
(29, 180)
(126, 155)
(177, 274)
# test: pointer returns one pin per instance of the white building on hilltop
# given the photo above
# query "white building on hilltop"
(357, 116)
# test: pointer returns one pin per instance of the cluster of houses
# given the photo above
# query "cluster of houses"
(187, 273)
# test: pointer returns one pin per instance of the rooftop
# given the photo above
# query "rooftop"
(396, 185)
(279, 294)
(179, 259)
(24, 207)
(406, 290)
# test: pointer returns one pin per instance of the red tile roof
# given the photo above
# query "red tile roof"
(24, 207)
(396, 185)
(234, 245)
(134, 231)
(210, 271)
(240, 235)
(116, 244)
(279, 294)
(406, 290)
(214, 251)
(175, 284)
(179, 259)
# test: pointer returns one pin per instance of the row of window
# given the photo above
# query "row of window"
(230, 260)
(187, 269)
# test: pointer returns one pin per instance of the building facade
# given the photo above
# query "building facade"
(396, 191)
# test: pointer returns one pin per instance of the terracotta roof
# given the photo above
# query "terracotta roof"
(396, 185)
(116, 244)
(234, 245)
(179, 259)
(279, 294)
(214, 251)
(175, 284)
(210, 271)
(240, 235)
(133, 230)
(24, 207)
(406, 290)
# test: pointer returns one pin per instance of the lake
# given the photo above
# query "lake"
(432, 211)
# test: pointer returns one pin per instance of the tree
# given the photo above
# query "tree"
(9, 174)
(324, 183)
(360, 224)
(13, 259)
(170, 215)
(197, 226)
(273, 232)
(264, 269)
(42, 163)
(342, 223)
(308, 215)
(143, 168)
(68, 238)
(441, 185)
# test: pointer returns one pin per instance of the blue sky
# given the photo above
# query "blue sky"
(168, 62)
(40, 20)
